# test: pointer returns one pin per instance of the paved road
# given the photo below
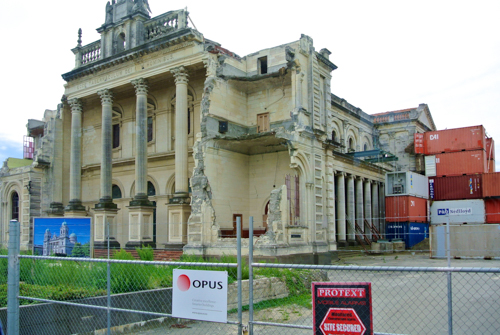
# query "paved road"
(403, 302)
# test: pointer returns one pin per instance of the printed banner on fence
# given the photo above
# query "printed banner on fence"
(199, 295)
(342, 308)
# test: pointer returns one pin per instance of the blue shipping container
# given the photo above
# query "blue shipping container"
(410, 232)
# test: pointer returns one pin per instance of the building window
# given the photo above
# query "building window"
(365, 147)
(263, 122)
(150, 128)
(121, 43)
(15, 206)
(116, 193)
(334, 137)
(117, 115)
(351, 145)
(151, 189)
(262, 65)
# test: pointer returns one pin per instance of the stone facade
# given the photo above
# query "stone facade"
(169, 137)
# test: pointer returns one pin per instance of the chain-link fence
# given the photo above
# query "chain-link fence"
(65, 295)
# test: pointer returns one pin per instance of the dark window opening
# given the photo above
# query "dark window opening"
(334, 136)
(365, 148)
(116, 193)
(151, 189)
(116, 136)
(189, 121)
(15, 206)
(262, 65)
(150, 128)
(121, 43)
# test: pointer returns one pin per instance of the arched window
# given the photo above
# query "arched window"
(121, 43)
(351, 144)
(151, 189)
(116, 193)
(15, 206)
(334, 136)
(365, 147)
(117, 117)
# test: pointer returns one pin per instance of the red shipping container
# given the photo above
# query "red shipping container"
(418, 142)
(491, 187)
(406, 209)
(490, 148)
(452, 140)
(456, 187)
(490, 166)
(492, 210)
(460, 163)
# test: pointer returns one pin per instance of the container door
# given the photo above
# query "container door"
(430, 166)
(440, 238)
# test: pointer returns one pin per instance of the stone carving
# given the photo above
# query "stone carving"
(180, 75)
(140, 85)
(141, 6)
(109, 13)
(106, 96)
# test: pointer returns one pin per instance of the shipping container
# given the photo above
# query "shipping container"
(490, 148)
(418, 142)
(460, 163)
(410, 232)
(492, 210)
(456, 187)
(406, 208)
(458, 212)
(491, 183)
(452, 140)
(491, 166)
(406, 183)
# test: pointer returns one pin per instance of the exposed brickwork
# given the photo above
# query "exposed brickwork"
(159, 255)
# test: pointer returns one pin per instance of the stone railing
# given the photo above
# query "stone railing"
(90, 52)
(164, 24)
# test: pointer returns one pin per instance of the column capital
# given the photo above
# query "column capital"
(180, 75)
(76, 105)
(340, 174)
(140, 85)
(106, 96)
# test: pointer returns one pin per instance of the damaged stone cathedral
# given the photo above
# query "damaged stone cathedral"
(169, 138)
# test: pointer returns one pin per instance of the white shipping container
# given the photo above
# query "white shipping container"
(406, 183)
(430, 166)
(458, 211)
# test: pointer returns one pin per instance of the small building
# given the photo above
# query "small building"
(59, 245)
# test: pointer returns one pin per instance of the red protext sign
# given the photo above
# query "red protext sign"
(342, 309)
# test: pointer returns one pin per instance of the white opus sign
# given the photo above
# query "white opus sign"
(199, 295)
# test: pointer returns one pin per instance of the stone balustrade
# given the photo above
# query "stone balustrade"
(90, 52)
(164, 24)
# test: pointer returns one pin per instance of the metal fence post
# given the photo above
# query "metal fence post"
(13, 279)
(448, 276)
(238, 248)
(250, 276)
(108, 288)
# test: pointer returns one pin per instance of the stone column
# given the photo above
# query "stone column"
(368, 207)
(141, 143)
(375, 206)
(341, 224)
(381, 208)
(179, 208)
(351, 215)
(105, 210)
(359, 203)
(140, 208)
(75, 207)
(181, 135)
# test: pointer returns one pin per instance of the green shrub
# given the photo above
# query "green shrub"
(145, 253)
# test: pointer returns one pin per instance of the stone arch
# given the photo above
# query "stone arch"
(9, 190)
(120, 186)
(149, 179)
(351, 140)
(336, 130)
(366, 144)
(170, 186)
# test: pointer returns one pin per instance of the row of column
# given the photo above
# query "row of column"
(106, 207)
(357, 201)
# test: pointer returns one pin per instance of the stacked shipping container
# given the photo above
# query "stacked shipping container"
(406, 207)
(459, 163)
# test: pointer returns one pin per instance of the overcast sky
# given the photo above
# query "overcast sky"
(390, 54)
